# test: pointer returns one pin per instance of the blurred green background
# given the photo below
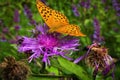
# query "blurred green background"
(103, 10)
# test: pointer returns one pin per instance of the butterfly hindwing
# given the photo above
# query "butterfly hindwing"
(72, 30)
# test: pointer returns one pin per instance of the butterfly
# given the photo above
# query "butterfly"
(57, 21)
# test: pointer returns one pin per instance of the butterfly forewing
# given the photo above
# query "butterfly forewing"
(51, 17)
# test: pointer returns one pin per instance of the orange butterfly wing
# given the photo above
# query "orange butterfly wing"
(51, 17)
(72, 30)
(57, 21)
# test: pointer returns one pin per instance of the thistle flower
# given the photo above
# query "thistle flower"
(47, 45)
(13, 70)
(97, 56)
(75, 10)
(99, 60)
(28, 13)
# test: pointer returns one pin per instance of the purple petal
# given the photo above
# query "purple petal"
(107, 69)
(79, 59)
(42, 29)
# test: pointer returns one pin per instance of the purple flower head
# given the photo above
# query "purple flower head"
(97, 57)
(16, 16)
(28, 13)
(75, 10)
(46, 45)
(96, 36)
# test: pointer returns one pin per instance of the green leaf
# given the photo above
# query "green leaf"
(73, 68)
(55, 63)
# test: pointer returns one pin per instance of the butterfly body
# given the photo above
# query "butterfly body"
(57, 21)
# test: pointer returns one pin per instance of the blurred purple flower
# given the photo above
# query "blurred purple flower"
(28, 13)
(5, 30)
(3, 38)
(75, 10)
(46, 45)
(17, 27)
(85, 4)
(96, 36)
(16, 16)
(116, 5)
